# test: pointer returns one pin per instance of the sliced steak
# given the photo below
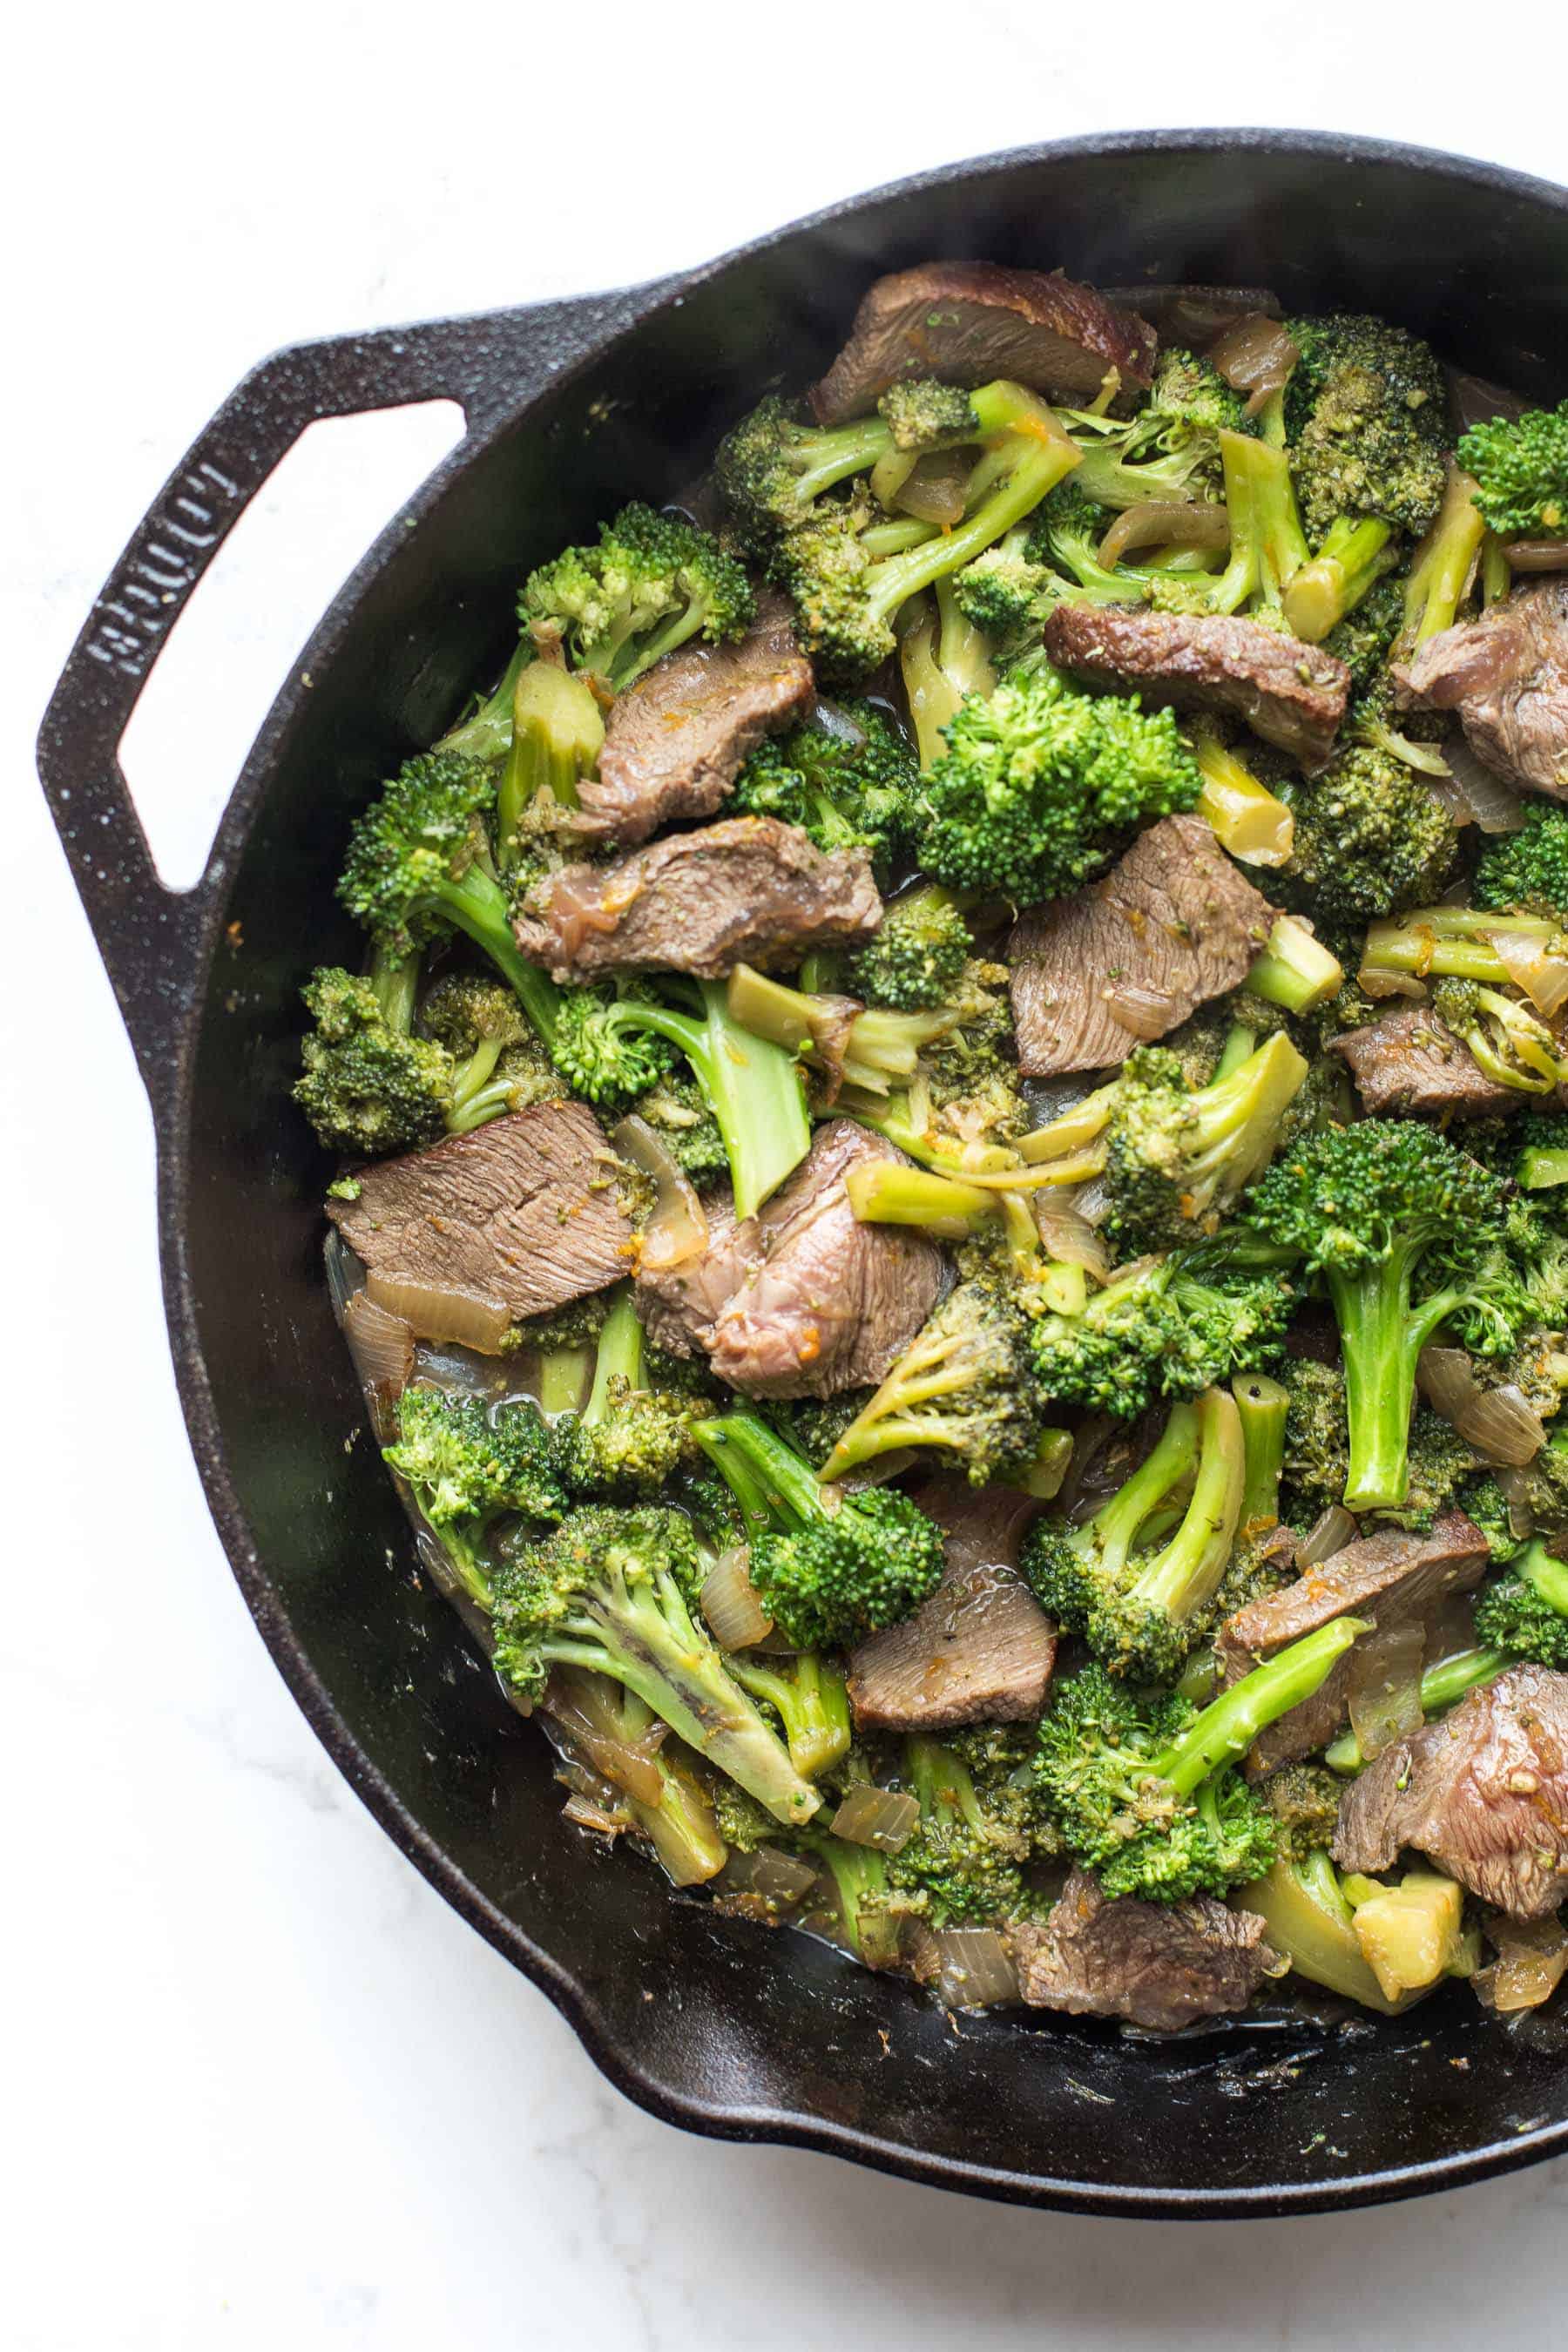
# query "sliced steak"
(675, 741)
(523, 1213)
(1158, 1965)
(1290, 694)
(747, 890)
(969, 322)
(1174, 916)
(1409, 1061)
(981, 1650)
(1507, 676)
(1484, 1793)
(1391, 1579)
(802, 1300)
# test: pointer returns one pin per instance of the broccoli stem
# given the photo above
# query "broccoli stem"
(395, 981)
(789, 1489)
(643, 1635)
(1309, 1921)
(557, 733)
(1262, 1404)
(837, 451)
(1381, 1335)
(561, 1374)
(1356, 553)
(1246, 818)
(1228, 1728)
(1268, 544)
(1183, 1576)
(477, 905)
(812, 1703)
(1540, 1169)
(751, 1086)
(882, 1192)
(610, 1725)
(1442, 1686)
(878, 1045)
(859, 1875)
(487, 733)
(1295, 971)
(1442, 566)
(1117, 1525)
(1455, 943)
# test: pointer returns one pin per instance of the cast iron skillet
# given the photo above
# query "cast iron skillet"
(571, 407)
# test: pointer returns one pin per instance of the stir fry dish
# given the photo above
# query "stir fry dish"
(953, 1196)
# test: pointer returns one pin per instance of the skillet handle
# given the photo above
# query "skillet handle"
(153, 940)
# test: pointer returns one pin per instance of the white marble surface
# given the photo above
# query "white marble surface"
(260, 2088)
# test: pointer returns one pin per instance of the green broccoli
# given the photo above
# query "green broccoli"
(770, 468)
(1527, 870)
(616, 1590)
(677, 1111)
(1061, 551)
(870, 1912)
(982, 1821)
(1138, 1578)
(847, 779)
(1406, 1231)
(1525, 1610)
(557, 734)
(1304, 1799)
(1539, 1154)
(653, 583)
(1443, 566)
(607, 1732)
(1520, 470)
(918, 956)
(369, 1085)
(810, 1697)
(1370, 838)
(1040, 787)
(500, 1063)
(828, 1568)
(1179, 1158)
(1364, 638)
(942, 656)
(467, 1465)
(1169, 1327)
(1144, 1793)
(964, 1385)
(1442, 1686)
(1505, 1038)
(631, 1435)
(1446, 942)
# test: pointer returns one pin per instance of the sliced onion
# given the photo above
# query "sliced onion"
(1493, 803)
(1141, 1011)
(1499, 1423)
(1537, 554)
(934, 487)
(776, 1880)
(678, 1229)
(590, 1814)
(1533, 1957)
(1515, 1490)
(884, 1818)
(975, 1969)
(1542, 974)
(1068, 1237)
(433, 1311)
(1256, 356)
(625, 1764)
(1385, 1686)
(736, 1618)
(1379, 984)
(1159, 522)
(1328, 1534)
(382, 1346)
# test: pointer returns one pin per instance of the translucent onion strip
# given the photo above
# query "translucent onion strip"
(433, 1312)
(883, 1818)
(678, 1229)
(1328, 1534)
(974, 1969)
(730, 1602)
(1499, 1423)
(1542, 972)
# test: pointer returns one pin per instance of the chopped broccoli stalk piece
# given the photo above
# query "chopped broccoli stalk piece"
(1443, 565)
(872, 1050)
(1505, 1038)
(1249, 821)
(811, 1699)
(1264, 1405)
(828, 1568)
(1527, 871)
(616, 1592)
(1295, 971)
(918, 956)
(631, 1435)
(557, 734)
(466, 1466)
(1441, 1687)
(1040, 787)
(1541, 1161)
(1312, 1923)
(1457, 943)
(608, 1727)
(847, 780)
(964, 1385)
(1403, 1229)
(368, 1085)
(1145, 1795)
(651, 584)
(751, 1086)
(1143, 1610)
(942, 656)
(1355, 555)
(1520, 470)
(1179, 1158)
(1525, 1610)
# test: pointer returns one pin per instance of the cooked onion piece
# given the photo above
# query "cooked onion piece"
(730, 1602)
(432, 1312)
(1499, 1423)
(678, 1229)
(884, 1818)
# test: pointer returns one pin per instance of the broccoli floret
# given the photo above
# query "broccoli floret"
(500, 1063)
(1040, 787)
(616, 1590)
(467, 1466)
(674, 1109)
(1317, 1439)
(1533, 1152)
(610, 1047)
(1406, 1231)
(1304, 1799)
(1007, 593)
(964, 1385)
(1267, 545)
(1504, 1036)
(1189, 394)
(828, 1569)
(1144, 1604)
(1370, 838)
(1178, 1158)
(632, 1434)
(1169, 1327)
(847, 783)
(1171, 449)
(848, 574)
(813, 1425)
(982, 1820)
(1144, 1793)
(1336, 340)
(1365, 636)
(771, 467)
(1525, 1610)
(653, 583)
(368, 1085)
(872, 1912)
(1527, 869)
(917, 957)
(1521, 469)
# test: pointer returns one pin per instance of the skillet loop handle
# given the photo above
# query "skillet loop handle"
(154, 940)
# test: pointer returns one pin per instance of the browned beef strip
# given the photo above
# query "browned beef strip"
(747, 890)
(1174, 915)
(803, 1299)
(1507, 676)
(1409, 1061)
(981, 1650)
(523, 1212)
(1391, 1579)
(1290, 694)
(969, 322)
(1158, 1965)
(675, 741)
(1484, 1793)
